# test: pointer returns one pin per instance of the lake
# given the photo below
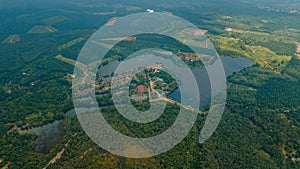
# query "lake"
(49, 134)
(231, 65)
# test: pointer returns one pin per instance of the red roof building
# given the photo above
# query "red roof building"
(141, 88)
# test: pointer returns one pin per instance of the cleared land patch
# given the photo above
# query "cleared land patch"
(71, 61)
(71, 43)
(111, 21)
(39, 29)
(11, 39)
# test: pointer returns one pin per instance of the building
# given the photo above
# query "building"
(150, 11)
(141, 88)
(73, 76)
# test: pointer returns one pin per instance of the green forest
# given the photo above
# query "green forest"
(260, 127)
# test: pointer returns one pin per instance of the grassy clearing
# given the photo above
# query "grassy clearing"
(261, 55)
(267, 58)
(81, 66)
(230, 46)
(71, 43)
(67, 60)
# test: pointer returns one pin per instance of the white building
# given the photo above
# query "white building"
(150, 10)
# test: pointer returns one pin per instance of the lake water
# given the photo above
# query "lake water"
(231, 65)
(49, 134)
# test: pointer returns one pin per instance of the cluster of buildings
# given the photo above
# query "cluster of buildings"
(156, 67)
(125, 78)
(189, 56)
